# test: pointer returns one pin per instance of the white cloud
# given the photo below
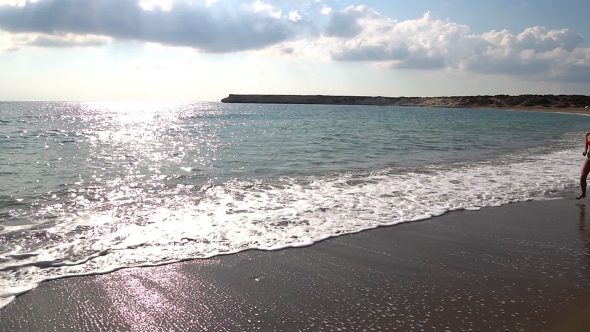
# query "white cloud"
(153, 4)
(294, 16)
(14, 41)
(299, 49)
(362, 34)
(254, 25)
(354, 34)
(15, 3)
(261, 7)
(291, 3)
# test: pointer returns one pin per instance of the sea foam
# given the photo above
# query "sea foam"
(270, 215)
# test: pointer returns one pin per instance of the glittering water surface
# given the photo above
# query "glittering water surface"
(91, 187)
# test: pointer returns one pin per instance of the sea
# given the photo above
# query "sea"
(89, 188)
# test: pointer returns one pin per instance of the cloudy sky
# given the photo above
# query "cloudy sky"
(202, 50)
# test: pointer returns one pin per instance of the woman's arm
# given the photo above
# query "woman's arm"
(585, 148)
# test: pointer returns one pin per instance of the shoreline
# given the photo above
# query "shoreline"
(521, 266)
(569, 110)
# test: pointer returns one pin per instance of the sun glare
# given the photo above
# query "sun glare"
(126, 112)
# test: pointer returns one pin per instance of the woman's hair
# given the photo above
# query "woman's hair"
(587, 134)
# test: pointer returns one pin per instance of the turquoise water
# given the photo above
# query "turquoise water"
(91, 187)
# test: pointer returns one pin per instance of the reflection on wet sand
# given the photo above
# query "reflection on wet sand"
(577, 315)
(584, 236)
(584, 229)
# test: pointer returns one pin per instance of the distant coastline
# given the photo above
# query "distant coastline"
(550, 103)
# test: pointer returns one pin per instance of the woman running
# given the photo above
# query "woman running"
(585, 167)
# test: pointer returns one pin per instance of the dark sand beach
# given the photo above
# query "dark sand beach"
(519, 267)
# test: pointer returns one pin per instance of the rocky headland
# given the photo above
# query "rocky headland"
(563, 103)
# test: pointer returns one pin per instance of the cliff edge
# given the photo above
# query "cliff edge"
(309, 99)
(547, 102)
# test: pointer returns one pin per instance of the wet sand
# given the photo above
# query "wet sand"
(519, 267)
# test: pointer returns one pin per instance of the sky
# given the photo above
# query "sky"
(203, 50)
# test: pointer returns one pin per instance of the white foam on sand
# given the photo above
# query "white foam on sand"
(269, 216)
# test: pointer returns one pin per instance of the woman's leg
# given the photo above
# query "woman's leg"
(583, 176)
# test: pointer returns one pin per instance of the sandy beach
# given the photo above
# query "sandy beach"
(519, 267)
(570, 110)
